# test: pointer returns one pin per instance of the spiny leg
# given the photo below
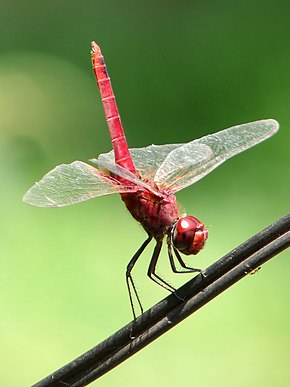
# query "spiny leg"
(152, 268)
(179, 258)
(129, 278)
(182, 263)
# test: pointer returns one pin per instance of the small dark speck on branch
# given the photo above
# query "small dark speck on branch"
(167, 313)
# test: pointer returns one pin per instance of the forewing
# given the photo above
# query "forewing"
(189, 163)
(180, 164)
(70, 184)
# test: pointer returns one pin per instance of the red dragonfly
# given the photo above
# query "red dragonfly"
(147, 179)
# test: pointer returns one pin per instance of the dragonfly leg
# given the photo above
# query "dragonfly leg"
(179, 258)
(152, 269)
(129, 278)
(182, 263)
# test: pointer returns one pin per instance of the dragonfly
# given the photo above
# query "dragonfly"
(147, 179)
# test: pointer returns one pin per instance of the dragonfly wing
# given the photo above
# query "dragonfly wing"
(146, 160)
(180, 164)
(72, 183)
(189, 163)
(122, 172)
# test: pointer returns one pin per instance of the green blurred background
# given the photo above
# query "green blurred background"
(180, 70)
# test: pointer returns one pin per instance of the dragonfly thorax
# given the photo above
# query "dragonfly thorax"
(189, 235)
(156, 214)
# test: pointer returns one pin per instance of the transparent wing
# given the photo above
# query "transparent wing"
(146, 160)
(72, 183)
(190, 162)
(122, 172)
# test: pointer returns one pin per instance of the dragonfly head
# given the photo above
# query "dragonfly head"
(189, 235)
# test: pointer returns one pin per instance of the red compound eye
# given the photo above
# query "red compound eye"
(189, 235)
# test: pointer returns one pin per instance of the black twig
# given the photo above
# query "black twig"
(166, 314)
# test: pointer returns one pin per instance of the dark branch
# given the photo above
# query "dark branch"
(166, 314)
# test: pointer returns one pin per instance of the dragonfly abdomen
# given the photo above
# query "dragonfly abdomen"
(121, 150)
